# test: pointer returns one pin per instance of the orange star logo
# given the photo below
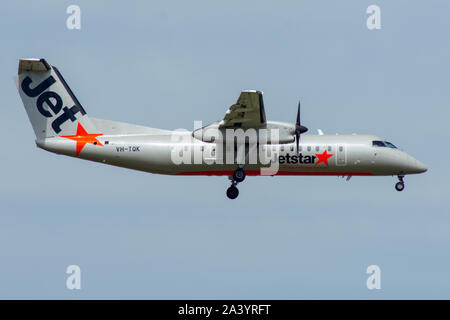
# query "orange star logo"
(82, 137)
(323, 157)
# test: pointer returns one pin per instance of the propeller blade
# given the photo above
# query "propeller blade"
(299, 129)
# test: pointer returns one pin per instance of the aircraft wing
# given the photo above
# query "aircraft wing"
(247, 112)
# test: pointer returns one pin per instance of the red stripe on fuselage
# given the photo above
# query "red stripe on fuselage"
(278, 173)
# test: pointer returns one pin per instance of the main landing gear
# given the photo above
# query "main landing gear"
(238, 176)
(399, 186)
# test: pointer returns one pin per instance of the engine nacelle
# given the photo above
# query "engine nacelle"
(273, 132)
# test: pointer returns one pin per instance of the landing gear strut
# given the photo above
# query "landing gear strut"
(399, 186)
(238, 176)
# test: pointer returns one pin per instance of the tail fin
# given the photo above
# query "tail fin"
(51, 106)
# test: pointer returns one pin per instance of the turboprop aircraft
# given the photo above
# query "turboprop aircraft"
(243, 144)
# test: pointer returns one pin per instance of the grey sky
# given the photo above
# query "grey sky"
(165, 64)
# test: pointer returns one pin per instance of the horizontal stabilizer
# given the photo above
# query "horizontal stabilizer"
(35, 65)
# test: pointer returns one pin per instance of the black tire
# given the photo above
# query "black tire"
(399, 186)
(232, 192)
(239, 175)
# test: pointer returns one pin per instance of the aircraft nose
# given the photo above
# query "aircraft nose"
(411, 165)
(415, 166)
(419, 167)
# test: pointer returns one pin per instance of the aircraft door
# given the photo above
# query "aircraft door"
(341, 155)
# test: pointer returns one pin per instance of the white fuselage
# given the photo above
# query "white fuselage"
(153, 152)
(243, 143)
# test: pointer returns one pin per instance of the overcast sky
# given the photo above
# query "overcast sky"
(165, 64)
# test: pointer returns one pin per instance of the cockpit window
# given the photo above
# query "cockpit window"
(376, 143)
(390, 145)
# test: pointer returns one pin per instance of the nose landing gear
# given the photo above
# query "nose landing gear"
(238, 176)
(399, 186)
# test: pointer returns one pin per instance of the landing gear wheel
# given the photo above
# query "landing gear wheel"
(232, 192)
(239, 175)
(399, 186)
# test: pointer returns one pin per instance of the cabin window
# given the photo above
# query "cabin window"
(292, 148)
(376, 143)
(309, 148)
(329, 149)
(282, 148)
(106, 142)
(341, 148)
(390, 145)
(317, 149)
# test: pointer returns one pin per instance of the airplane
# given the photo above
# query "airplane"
(62, 126)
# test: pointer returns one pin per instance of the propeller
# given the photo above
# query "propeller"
(299, 129)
